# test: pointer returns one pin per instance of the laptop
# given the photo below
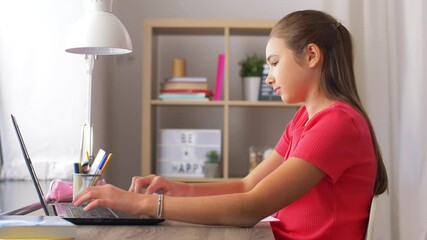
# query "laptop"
(76, 215)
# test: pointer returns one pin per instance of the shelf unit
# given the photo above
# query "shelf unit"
(199, 42)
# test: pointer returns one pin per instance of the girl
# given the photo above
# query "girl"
(325, 169)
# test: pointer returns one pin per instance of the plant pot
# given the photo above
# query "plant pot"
(210, 170)
(251, 88)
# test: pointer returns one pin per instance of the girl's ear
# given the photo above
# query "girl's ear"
(313, 55)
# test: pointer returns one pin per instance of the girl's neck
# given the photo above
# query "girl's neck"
(317, 104)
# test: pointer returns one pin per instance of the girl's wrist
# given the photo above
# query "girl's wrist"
(149, 205)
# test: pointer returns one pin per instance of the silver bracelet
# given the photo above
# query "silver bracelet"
(160, 206)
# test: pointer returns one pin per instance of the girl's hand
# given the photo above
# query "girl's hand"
(115, 198)
(154, 184)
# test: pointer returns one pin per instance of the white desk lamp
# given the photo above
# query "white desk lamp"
(98, 32)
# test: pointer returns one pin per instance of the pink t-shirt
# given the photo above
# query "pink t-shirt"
(337, 140)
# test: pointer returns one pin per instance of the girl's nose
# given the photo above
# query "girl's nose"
(269, 80)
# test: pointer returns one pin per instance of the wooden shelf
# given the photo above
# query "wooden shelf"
(176, 24)
(223, 103)
(261, 104)
(188, 103)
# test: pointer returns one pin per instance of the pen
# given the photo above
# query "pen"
(106, 163)
(101, 164)
(99, 169)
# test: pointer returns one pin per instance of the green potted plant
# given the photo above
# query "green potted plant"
(251, 71)
(210, 168)
(251, 66)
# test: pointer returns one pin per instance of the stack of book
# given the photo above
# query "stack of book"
(36, 227)
(185, 88)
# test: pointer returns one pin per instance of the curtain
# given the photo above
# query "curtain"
(42, 85)
(393, 84)
(390, 41)
(411, 169)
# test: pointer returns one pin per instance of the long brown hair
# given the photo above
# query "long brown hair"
(298, 29)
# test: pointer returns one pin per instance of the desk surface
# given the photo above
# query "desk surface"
(174, 230)
(12, 196)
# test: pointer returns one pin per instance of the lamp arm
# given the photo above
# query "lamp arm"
(90, 60)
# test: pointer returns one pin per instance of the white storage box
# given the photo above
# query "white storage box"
(180, 168)
(182, 152)
(185, 153)
(189, 137)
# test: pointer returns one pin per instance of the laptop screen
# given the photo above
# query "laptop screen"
(30, 166)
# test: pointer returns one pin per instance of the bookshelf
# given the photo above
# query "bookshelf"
(242, 123)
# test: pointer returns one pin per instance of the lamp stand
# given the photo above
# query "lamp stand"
(86, 147)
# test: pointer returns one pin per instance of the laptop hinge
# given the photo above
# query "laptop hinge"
(51, 210)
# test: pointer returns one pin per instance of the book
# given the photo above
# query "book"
(35, 227)
(184, 85)
(208, 93)
(219, 77)
(187, 79)
(182, 96)
(186, 99)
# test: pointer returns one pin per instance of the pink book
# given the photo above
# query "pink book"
(219, 77)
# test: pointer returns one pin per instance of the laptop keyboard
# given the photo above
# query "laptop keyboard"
(77, 212)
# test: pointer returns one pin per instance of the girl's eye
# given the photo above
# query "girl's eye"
(274, 63)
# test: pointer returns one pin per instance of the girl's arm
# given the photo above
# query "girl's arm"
(288, 182)
(154, 183)
(280, 188)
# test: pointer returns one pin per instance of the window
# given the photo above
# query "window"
(42, 85)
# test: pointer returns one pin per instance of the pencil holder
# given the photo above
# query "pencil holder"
(82, 180)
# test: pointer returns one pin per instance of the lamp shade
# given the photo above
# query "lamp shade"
(99, 32)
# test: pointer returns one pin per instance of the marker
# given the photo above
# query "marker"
(77, 167)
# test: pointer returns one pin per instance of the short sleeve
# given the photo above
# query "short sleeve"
(327, 141)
